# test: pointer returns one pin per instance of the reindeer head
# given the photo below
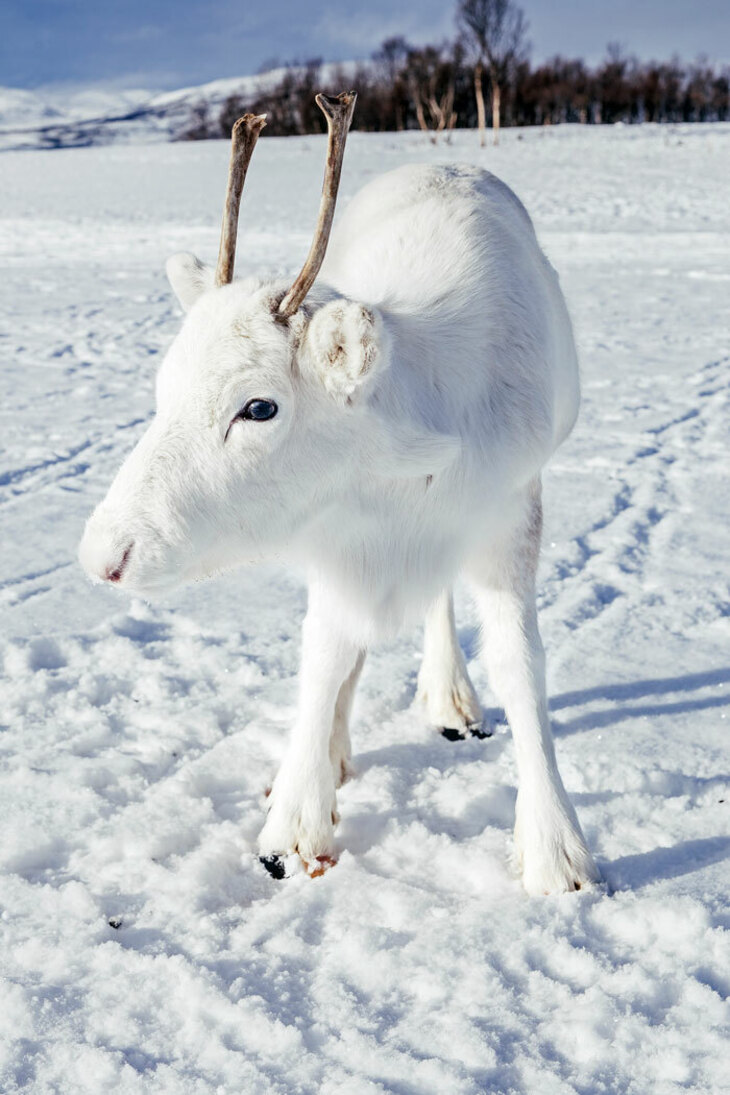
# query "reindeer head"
(245, 444)
(262, 414)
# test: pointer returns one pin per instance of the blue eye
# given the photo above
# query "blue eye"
(259, 410)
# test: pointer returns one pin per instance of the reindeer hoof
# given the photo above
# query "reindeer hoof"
(275, 865)
(319, 865)
(474, 730)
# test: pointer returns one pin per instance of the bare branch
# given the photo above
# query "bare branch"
(431, 75)
(243, 141)
(494, 31)
(338, 112)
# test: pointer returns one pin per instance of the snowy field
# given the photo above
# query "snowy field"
(144, 948)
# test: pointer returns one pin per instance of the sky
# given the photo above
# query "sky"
(174, 43)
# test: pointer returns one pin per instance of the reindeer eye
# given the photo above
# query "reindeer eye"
(256, 410)
(259, 410)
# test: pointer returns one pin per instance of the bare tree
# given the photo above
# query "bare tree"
(289, 104)
(430, 74)
(404, 87)
(495, 30)
(390, 62)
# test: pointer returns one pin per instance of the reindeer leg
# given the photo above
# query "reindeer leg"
(302, 808)
(443, 682)
(340, 748)
(550, 845)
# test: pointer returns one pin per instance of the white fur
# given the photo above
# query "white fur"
(421, 389)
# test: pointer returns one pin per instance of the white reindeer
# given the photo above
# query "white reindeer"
(385, 430)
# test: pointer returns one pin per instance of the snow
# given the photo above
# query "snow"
(138, 740)
(70, 116)
(27, 117)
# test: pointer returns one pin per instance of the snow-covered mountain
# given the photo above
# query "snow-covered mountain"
(56, 118)
(61, 118)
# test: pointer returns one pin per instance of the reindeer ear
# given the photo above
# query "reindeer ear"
(344, 345)
(189, 278)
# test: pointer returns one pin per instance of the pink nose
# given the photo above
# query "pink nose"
(114, 572)
(106, 549)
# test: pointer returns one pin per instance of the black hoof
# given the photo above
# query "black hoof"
(479, 730)
(476, 730)
(451, 734)
(274, 864)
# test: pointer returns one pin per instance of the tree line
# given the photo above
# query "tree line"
(434, 88)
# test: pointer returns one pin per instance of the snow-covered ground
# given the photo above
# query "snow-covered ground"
(138, 740)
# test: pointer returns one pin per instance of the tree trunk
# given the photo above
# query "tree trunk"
(418, 103)
(496, 103)
(481, 113)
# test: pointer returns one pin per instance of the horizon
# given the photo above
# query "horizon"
(188, 44)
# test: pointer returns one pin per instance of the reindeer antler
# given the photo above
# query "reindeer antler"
(243, 141)
(338, 112)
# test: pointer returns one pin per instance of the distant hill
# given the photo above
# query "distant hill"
(56, 118)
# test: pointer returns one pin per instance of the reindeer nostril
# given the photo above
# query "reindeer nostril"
(114, 574)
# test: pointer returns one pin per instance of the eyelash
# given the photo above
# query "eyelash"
(247, 413)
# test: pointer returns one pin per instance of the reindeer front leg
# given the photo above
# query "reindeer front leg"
(302, 804)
